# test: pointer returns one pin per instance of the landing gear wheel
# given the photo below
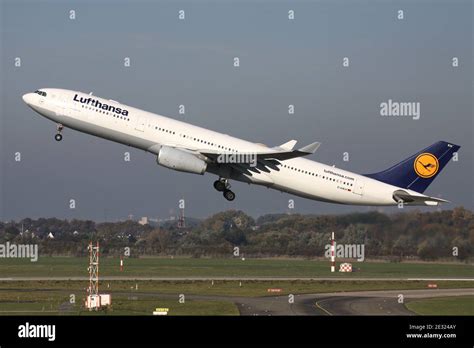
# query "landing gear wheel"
(229, 195)
(59, 129)
(219, 185)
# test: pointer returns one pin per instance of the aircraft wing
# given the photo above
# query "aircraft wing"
(279, 153)
(261, 161)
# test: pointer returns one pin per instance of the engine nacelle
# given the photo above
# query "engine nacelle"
(180, 160)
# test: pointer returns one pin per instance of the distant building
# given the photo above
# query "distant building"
(50, 235)
(143, 221)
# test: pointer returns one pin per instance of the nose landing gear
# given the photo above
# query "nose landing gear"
(58, 136)
(223, 185)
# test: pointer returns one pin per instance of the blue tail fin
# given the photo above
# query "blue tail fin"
(418, 171)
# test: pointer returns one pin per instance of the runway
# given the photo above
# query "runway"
(350, 303)
(384, 302)
(124, 278)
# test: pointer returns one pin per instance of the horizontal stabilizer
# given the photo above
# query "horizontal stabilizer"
(407, 198)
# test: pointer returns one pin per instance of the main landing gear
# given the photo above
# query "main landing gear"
(59, 136)
(223, 185)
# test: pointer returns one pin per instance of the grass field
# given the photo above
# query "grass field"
(189, 267)
(140, 297)
(461, 305)
(221, 288)
(57, 303)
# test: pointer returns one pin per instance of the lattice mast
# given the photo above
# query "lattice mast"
(93, 269)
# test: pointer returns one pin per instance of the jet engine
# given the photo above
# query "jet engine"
(180, 160)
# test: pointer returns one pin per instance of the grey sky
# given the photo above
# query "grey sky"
(189, 62)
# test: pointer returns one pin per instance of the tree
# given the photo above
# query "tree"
(464, 248)
(402, 246)
(159, 238)
(427, 250)
(11, 232)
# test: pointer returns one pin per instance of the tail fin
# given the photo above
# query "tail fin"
(418, 171)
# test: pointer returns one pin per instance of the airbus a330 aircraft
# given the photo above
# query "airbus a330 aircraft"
(183, 147)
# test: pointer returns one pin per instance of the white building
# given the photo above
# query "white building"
(143, 221)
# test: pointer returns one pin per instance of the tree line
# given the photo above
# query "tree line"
(446, 234)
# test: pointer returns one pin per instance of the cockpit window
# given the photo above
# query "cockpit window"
(41, 93)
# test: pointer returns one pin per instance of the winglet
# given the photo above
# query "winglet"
(311, 148)
(288, 146)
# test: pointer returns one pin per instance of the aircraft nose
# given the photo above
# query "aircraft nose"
(28, 98)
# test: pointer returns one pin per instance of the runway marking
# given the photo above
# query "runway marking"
(321, 308)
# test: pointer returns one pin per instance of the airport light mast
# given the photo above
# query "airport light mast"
(93, 290)
(94, 299)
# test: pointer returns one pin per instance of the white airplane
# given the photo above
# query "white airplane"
(187, 148)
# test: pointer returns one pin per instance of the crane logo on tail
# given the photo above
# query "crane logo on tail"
(426, 165)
